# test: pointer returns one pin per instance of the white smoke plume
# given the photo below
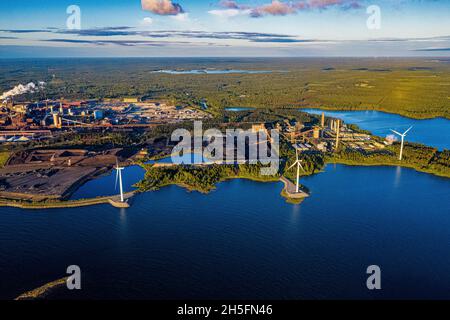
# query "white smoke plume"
(391, 138)
(22, 89)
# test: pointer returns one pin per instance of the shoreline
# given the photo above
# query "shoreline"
(60, 204)
(405, 115)
(349, 163)
(113, 200)
(30, 201)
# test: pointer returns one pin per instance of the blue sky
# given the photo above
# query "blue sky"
(225, 28)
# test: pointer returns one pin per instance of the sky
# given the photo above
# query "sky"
(166, 28)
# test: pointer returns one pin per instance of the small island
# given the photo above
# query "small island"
(43, 291)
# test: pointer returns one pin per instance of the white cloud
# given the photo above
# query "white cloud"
(228, 13)
(183, 17)
(146, 21)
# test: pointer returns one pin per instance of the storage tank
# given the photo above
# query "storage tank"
(98, 114)
(57, 121)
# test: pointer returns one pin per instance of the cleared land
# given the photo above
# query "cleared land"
(41, 175)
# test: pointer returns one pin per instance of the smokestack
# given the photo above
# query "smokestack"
(316, 131)
(57, 121)
(338, 130)
(322, 123)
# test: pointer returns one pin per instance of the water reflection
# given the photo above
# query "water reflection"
(295, 214)
(398, 174)
(105, 185)
(123, 224)
(123, 215)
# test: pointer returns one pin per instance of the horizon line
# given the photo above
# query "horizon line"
(229, 57)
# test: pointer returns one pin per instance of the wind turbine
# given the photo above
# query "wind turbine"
(119, 177)
(299, 165)
(402, 135)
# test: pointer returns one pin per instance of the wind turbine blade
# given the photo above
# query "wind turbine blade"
(407, 130)
(300, 165)
(296, 154)
(292, 165)
(396, 132)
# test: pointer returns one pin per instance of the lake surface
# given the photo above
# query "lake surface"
(243, 240)
(106, 184)
(214, 71)
(237, 109)
(432, 132)
(188, 158)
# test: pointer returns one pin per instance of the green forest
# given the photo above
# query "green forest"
(417, 88)
(199, 178)
(419, 157)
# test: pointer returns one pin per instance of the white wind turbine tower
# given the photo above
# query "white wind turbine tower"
(299, 165)
(119, 177)
(402, 135)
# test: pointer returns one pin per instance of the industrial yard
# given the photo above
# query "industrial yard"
(328, 136)
(45, 119)
(33, 171)
(41, 175)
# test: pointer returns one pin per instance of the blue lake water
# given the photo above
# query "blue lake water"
(106, 184)
(237, 109)
(243, 240)
(214, 71)
(432, 132)
(188, 158)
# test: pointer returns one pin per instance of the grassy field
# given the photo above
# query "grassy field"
(418, 88)
(4, 155)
